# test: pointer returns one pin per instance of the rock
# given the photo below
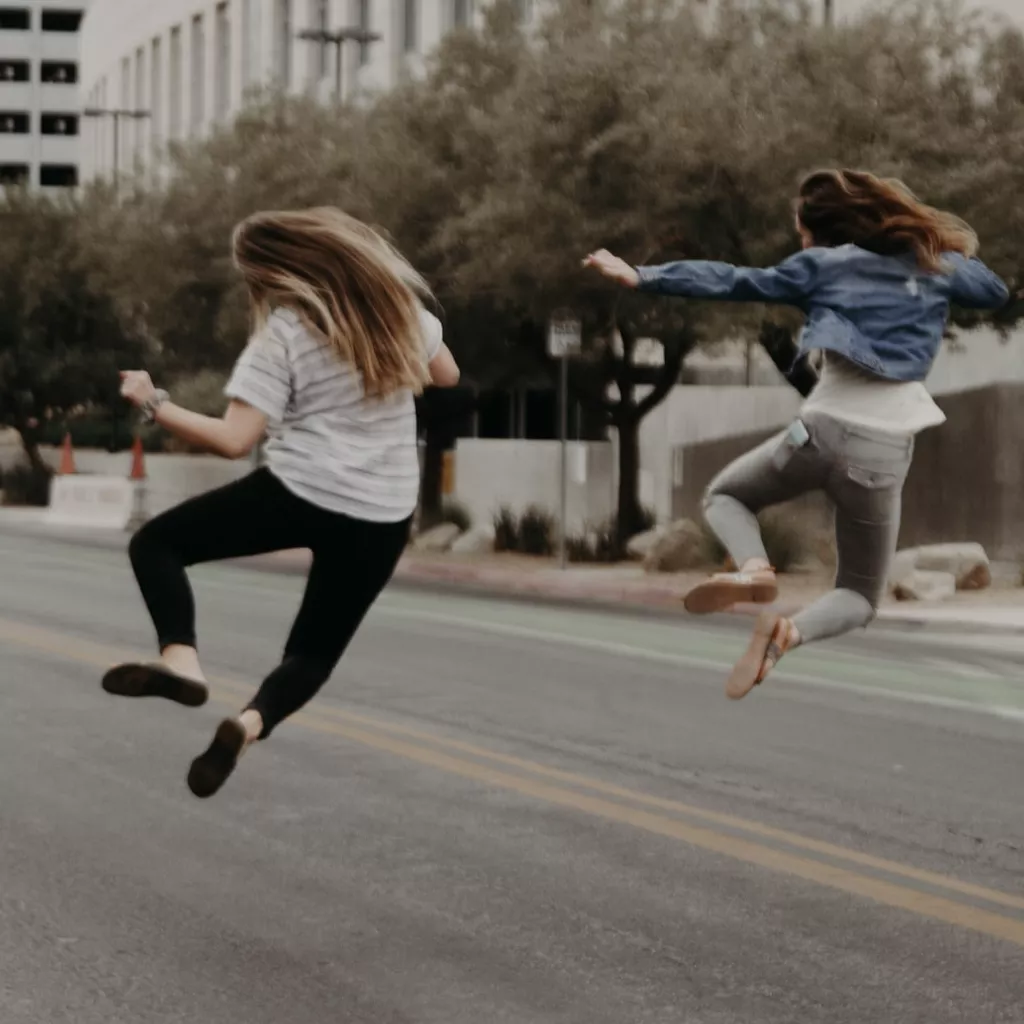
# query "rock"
(438, 538)
(967, 562)
(681, 546)
(925, 585)
(640, 544)
(477, 541)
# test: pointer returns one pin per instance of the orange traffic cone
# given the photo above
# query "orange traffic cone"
(138, 461)
(67, 458)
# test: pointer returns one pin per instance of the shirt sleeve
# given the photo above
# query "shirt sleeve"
(262, 376)
(974, 286)
(433, 334)
(790, 283)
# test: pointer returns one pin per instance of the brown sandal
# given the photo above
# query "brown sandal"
(724, 590)
(773, 636)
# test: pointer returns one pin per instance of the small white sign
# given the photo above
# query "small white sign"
(565, 337)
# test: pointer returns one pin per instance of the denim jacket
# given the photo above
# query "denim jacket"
(882, 313)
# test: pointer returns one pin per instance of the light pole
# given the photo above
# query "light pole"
(116, 114)
(338, 39)
(829, 12)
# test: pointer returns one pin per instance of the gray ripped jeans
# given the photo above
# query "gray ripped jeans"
(861, 470)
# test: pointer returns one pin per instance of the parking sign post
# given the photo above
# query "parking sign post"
(565, 338)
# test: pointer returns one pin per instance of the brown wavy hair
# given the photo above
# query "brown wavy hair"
(881, 215)
(346, 282)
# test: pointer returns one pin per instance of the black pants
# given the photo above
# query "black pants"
(352, 561)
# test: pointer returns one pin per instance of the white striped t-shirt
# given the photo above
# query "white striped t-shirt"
(328, 443)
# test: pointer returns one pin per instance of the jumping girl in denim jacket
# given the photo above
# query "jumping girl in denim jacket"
(876, 277)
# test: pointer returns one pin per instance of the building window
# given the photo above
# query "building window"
(62, 21)
(15, 19)
(319, 21)
(156, 92)
(58, 176)
(58, 72)
(198, 108)
(250, 39)
(13, 174)
(14, 123)
(362, 18)
(461, 13)
(222, 68)
(58, 124)
(410, 26)
(140, 97)
(14, 71)
(175, 85)
(283, 41)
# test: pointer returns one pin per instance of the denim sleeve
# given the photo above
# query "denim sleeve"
(790, 283)
(974, 286)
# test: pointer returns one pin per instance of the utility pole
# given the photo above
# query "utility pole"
(337, 39)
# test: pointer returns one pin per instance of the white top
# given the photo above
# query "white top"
(848, 393)
(328, 443)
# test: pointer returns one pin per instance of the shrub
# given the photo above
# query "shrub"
(536, 531)
(25, 485)
(457, 513)
(581, 547)
(506, 530)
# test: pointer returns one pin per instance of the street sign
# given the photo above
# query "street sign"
(565, 337)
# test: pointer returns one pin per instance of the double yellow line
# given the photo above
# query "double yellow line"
(890, 883)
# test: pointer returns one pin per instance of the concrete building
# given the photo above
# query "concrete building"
(39, 100)
(188, 64)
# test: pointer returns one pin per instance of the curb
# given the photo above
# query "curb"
(663, 600)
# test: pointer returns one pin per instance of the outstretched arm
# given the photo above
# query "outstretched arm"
(789, 283)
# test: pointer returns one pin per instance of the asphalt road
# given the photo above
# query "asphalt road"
(503, 813)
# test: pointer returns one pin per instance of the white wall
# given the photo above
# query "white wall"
(493, 473)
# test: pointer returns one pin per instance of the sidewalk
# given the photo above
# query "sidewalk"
(999, 609)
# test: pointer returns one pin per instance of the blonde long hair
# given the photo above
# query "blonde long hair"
(346, 282)
(881, 215)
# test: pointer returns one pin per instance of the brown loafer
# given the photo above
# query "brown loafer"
(725, 590)
(138, 680)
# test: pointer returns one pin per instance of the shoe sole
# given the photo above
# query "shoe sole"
(743, 677)
(211, 769)
(153, 681)
(720, 595)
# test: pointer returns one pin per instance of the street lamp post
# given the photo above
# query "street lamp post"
(116, 114)
(338, 39)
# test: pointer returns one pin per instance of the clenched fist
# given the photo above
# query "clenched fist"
(613, 268)
(137, 386)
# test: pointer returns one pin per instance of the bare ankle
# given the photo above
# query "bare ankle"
(756, 565)
(253, 722)
(183, 660)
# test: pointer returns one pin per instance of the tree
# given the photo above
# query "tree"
(661, 130)
(61, 340)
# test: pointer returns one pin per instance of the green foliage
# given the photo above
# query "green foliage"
(537, 531)
(26, 485)
(506, 530)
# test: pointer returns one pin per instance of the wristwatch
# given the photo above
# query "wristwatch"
(150, 406)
